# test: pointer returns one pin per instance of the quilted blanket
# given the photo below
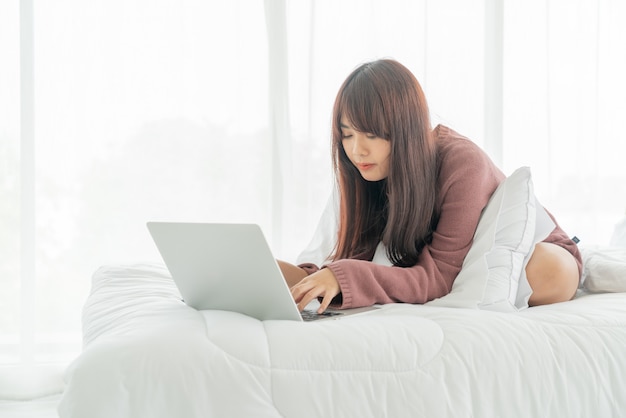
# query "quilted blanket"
(147, 354)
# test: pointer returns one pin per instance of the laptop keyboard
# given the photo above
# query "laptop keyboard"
(309, 315)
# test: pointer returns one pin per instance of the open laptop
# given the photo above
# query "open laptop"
(230, 267)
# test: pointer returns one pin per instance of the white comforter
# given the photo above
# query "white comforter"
(147, 354)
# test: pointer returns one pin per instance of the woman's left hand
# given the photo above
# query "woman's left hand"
(322, 283)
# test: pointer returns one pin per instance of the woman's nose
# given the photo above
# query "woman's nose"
(359, 147)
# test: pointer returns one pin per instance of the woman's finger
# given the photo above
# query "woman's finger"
(299, 290)
(328, 297)
(308, 297)
(320, 284)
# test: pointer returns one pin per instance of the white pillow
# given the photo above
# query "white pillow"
(493, 275)
(323, 242)
(604, 269)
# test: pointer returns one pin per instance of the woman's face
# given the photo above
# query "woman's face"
(369, 153)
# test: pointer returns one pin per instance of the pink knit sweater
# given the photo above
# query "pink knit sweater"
(467, 179)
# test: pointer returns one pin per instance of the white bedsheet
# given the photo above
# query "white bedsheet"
(147, 354)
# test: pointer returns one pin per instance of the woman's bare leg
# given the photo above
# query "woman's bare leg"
(552, 273)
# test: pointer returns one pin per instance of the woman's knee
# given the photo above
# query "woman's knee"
(552, 273)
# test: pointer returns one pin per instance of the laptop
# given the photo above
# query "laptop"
(231, 267)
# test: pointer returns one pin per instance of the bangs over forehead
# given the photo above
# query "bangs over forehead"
(361, 104)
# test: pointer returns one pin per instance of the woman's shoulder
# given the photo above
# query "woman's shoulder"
(452, 147)
(460, 157)
(450, 141)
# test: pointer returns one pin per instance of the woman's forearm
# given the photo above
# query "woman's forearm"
(292, 274)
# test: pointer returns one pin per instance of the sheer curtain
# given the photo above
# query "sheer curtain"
(564, 66)
(134, 111)
(119, 112)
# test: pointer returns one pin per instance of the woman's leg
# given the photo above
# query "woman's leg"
(552, 273)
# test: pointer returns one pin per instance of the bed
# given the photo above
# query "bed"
(474, 353)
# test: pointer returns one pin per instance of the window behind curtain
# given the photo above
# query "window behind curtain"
(143, 111)
(9, 182)
(564, 66)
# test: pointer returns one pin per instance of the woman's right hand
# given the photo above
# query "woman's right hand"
(322, 283)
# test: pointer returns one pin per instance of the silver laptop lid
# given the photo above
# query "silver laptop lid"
(225, 267)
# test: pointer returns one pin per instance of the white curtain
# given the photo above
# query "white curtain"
(114, 113)
(564, 108)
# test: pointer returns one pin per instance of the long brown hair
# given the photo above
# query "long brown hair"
(384, 98)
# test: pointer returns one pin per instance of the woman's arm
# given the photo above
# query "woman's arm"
(292, 274)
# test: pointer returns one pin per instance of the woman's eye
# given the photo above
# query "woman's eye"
(346, 136)
(371, 136)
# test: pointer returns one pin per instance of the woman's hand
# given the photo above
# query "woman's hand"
(322, 283)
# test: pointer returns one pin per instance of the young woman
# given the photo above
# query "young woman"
(416, 192)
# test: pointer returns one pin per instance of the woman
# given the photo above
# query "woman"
(416, 192)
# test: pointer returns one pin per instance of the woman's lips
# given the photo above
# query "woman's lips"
(364, 166)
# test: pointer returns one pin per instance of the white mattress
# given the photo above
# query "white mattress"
(147, 354)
